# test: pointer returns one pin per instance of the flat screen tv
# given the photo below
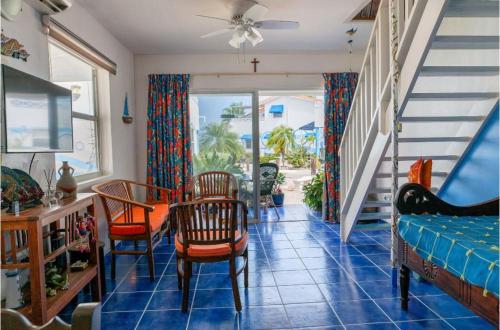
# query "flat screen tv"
(36, 114)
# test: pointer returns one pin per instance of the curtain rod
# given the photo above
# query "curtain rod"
(219, 74)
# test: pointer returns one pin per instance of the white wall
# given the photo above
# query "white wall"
(210, 63)
(27, 29)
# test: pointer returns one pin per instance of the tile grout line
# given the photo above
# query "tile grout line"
(272, 273)
(154, 290)
(317, 285)
(439, 315)
(356, 282)
(194, 294)
(122, 280)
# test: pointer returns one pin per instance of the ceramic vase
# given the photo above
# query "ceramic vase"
(66, 183)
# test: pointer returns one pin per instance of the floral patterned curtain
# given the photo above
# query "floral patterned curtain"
(168, 133)
(339, 92)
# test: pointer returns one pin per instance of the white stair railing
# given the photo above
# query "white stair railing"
(368, 116)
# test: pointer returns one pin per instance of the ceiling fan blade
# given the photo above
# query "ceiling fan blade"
(277, 25)
(217, 18)
(256, 12)
(216, 33)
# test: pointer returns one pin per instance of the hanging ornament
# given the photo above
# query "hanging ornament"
(351, 33)
(126, 118)
(350, 41)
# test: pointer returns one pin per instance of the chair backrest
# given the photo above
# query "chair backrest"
(210, 221)
(115, 188)
(213, 184)
(268, 175)
(86, 316)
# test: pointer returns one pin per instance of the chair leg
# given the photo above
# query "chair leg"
(404, 283)
(179, 275)
(185, 287)
(234, 283)
(274, 206)
(151, 260)
(168, 234)
(245, 271)
(113, 260)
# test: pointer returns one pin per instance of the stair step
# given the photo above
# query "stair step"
(388, 190)
(453, 96)
(415, 158)
(472, 8)
(372, 226)
(403, 175)
(465, 42)
(459, 71)
(374, 216)
(435, 139)
(377, 204)
(432, 119)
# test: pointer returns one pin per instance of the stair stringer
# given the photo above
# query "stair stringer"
(349, 216)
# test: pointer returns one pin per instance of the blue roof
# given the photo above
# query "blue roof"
(277, 108)
(246, 136)
(308, 127)
(266, 135)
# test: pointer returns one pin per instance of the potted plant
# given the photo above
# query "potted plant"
(278, 195)
(313, 192)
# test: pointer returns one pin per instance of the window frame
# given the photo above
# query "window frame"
(95, 118)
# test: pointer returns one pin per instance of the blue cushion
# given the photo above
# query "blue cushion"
(465, 246)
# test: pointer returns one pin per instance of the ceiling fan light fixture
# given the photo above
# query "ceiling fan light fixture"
(239, 35)
(254, 36)
(235, 43)
(238, 38)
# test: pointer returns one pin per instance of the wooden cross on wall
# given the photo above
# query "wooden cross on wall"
(255, 62)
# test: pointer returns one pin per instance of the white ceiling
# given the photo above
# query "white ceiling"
(171, 27)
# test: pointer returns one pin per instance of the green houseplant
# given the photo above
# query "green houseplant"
(313, 192)
(278, 195)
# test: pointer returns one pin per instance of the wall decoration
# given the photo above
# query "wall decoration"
(127, 119)
(13, 48)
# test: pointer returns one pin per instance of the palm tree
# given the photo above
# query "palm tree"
(207, 161)
(216, 138)
(235, 110)
(281, 140)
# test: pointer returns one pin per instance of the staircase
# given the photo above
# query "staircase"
(448, 58)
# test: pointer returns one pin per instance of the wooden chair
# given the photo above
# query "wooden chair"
(86, 316)
(213, 184)
(131, 220)
(211, 230)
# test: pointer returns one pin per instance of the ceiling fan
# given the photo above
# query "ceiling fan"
(245, 25)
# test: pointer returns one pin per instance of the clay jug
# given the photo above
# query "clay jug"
(66, 183)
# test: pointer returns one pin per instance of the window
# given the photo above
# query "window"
(74, 72)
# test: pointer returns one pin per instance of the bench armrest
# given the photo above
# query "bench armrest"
(416, 199)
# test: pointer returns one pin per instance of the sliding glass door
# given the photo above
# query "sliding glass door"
(223, 139)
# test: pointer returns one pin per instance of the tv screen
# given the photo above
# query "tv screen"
(36, 114)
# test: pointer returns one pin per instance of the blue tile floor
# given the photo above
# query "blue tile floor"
(301, 276)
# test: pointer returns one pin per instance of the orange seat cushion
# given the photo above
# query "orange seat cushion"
(213, 250)
(156, 219)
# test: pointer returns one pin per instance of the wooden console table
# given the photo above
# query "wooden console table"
(25, 232)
